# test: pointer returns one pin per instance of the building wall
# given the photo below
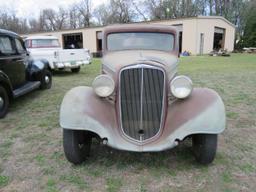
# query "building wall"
(188, 33)
(89, 37)
(207, 26)
(192, 28)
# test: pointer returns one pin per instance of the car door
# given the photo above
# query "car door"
(12, 62)
(20, 61)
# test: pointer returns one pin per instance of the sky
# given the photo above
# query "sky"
(31, 8)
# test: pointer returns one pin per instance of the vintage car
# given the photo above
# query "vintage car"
(48, 48)
(18, 74)
(139, 103)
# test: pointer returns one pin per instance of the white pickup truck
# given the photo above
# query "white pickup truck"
(48, 47)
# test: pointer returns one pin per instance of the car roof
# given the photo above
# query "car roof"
(7, 32)
(41, 37)
(140, 28)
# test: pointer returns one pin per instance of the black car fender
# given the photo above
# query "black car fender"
(5, 82)
(36, 69)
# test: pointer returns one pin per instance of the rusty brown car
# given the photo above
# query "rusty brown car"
(139, 102)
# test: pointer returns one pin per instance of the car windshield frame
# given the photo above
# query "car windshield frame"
(140, 37)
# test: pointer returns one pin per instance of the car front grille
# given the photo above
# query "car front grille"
(142, 90)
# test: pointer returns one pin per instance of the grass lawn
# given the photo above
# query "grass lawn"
(32, 159)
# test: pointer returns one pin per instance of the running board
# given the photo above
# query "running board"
(29, 86)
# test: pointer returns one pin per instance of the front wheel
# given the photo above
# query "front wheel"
(77, 145)
(4, 102)
(75, 70)
(204, 147)
(46, 80)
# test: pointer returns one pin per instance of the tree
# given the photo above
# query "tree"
(73, 16)
(81, 14)
(53, 20)
(249, 37)
(84, 7)
(13, 23)
(102, 14)
(116, 11)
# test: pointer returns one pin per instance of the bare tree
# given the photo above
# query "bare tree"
(73, 15)
(81, 14)
(102, 14)
(84, 7)
(53, 20)
(140, 9)
(13, 23)
(116, 11)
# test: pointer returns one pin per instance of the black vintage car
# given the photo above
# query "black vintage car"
(18, 74)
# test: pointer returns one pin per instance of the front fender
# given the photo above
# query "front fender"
(202, 112)
(81, 109)
(36, 69)
(4, 78)
(5, 81)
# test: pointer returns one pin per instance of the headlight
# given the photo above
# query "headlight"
(103, 85)
(181, 86)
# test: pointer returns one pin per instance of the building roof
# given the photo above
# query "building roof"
(139, 22)
(216, 17)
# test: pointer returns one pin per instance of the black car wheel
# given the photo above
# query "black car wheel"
(4, 102)
(46, 80)
(204, 147)
(75, 70)
(77, 145)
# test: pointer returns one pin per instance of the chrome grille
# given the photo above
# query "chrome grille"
(141, 101)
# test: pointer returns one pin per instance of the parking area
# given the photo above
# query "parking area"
(32, 158)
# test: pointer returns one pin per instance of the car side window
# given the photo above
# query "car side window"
(26, 43)
(6, 47)
(19, 46)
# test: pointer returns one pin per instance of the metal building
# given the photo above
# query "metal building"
(198, 35)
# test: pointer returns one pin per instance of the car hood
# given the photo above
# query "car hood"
(114, 61)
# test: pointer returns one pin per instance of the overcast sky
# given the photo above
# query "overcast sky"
(31, 8)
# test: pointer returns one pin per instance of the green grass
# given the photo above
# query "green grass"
(31, 152)
(51, 185)
(40, 159)
(114, 184)
(5, 148)
(75, 180)
(226, 177)
(3, 180)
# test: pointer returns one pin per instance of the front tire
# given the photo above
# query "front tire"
(75, 70)
(204, 147)
(4, 102)
(46, 80)
(77, 145)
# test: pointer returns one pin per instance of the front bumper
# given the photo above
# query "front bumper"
(202, 112)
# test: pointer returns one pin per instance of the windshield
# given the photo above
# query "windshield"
(41, 43)
(140, 40)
